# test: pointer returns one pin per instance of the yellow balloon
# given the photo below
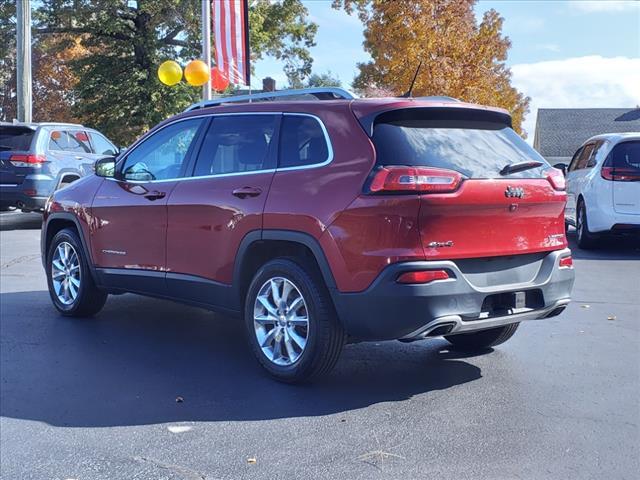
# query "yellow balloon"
(197, 73)
(170, 73)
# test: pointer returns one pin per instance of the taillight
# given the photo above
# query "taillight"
(423, 276)
(566, 262)
(620, 174)
(415, 180)
(27, 160)
(555, 178)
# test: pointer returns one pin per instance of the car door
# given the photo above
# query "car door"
(211, 212)
(130, 210)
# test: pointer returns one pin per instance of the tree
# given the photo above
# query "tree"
(460, 57)
(323, 80)
(125, 41)
(7, 60)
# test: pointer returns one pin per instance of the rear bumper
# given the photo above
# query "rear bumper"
(14, 196)
(603, 220)
(389, 310)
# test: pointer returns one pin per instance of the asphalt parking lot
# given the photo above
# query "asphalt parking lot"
(97, 398)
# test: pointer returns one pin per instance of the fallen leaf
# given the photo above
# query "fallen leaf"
(585, 306)
(611, 317)
(179, 399)
(251, 460)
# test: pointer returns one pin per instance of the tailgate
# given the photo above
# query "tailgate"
(486, 217)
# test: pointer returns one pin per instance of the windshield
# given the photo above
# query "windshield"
(475, 149)
(15, 138)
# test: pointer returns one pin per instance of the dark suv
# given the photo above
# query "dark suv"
(38, 158)
(320, 222)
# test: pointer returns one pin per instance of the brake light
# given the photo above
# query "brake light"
(423, 276)
(415, 180)
(566, 262)
(556, 178)
(27, 160)
(620, 174)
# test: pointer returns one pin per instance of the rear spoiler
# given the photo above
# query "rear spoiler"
(458, 114)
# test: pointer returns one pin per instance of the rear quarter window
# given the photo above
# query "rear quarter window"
(476, 149)
(302, 142)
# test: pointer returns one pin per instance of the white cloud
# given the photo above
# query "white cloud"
(580, 82)
(605, 5)
(551, 47)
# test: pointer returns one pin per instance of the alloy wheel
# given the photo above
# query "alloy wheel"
(65, 273)
(281, 321)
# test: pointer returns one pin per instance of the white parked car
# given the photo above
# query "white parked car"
(603, 187)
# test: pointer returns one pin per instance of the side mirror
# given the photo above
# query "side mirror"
(562, 167)
(105, 167)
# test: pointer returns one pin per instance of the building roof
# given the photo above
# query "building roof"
(560, 131)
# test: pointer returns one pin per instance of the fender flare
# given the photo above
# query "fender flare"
(290, 236)
(66, 216)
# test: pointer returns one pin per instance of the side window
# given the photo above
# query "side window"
(101, 145)
(574, 161)
(584, 156)
(162, 155)
(302, 142)
(235, 144)
(591, 162)
(75, 141)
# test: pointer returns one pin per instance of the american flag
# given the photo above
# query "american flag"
(230, 19)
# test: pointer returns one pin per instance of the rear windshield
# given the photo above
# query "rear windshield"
(476, 149)
(624, 155)
(15, 138)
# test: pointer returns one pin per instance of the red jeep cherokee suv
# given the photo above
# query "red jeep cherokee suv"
(322, 221)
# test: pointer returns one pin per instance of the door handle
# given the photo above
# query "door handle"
(245, 192)
(154, 195)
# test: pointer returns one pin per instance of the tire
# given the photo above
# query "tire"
(483, 339)
(323, 335)
(88, 299)
(584, 237)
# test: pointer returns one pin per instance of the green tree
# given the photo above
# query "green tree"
(326, 79)
(460, 56)
(118, 91)
(7, 60)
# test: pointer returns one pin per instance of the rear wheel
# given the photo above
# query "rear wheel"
(584, 237)
(71, 285)
(291, 323)
(483, 339)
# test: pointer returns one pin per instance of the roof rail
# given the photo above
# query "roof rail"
(441, 98)
(320, 93)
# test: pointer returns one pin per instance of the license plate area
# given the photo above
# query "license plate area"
(509, 303)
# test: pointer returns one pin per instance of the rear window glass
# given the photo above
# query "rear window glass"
(476, 149)
(12, 138)
(625, 155)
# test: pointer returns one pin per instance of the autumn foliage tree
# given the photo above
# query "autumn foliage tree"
(460, 57)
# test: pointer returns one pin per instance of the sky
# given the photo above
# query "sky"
(564, 53)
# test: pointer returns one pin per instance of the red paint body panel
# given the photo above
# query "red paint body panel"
(309, 199)
(130, 229)
(481, 221)
(207, 223)
(373, 232)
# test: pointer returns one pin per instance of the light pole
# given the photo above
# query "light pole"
(23, 33)
(206, 44)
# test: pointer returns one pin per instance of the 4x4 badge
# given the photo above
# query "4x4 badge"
(511, 192)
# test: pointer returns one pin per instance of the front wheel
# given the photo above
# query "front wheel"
(291, 323)
(482, 339)
(71, 285)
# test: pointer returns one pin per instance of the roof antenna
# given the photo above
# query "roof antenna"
(408, 93)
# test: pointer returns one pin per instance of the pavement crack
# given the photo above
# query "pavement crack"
(184, 472)
(23, 258)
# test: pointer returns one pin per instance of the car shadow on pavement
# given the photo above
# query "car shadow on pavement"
(608, 248)
(145, 361)
(20, 221)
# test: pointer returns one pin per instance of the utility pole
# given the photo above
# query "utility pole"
(23, 16)
(206, 44)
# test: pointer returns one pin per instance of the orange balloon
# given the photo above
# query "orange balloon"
(218, 80)
(196, 73)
